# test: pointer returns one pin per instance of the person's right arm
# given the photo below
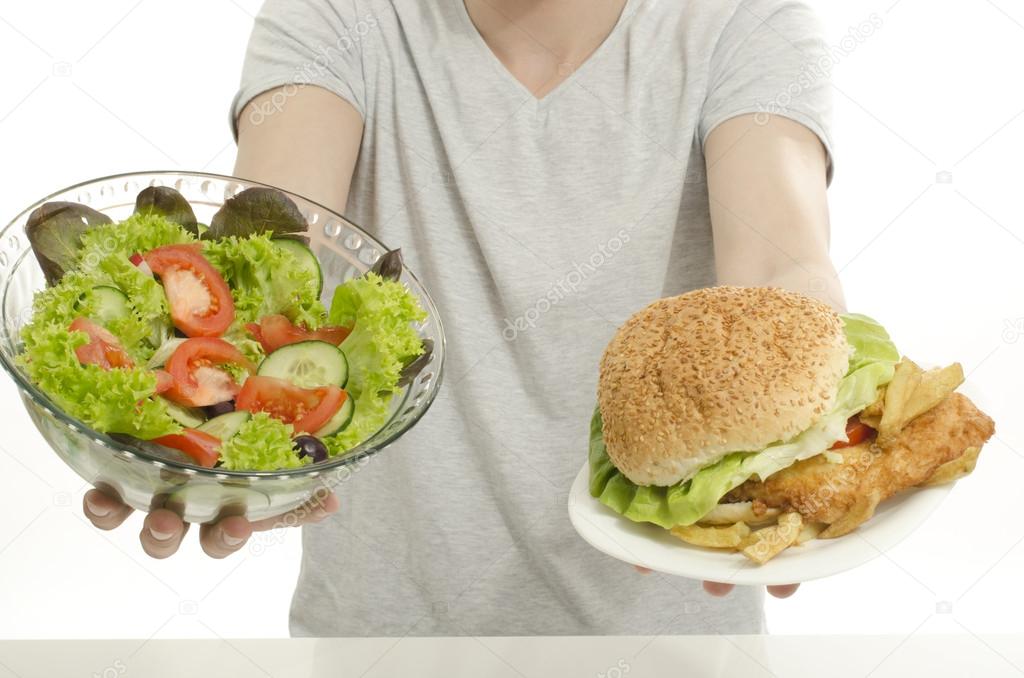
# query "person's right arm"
(306, 143)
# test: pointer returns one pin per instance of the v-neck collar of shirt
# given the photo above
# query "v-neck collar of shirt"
(513, 81)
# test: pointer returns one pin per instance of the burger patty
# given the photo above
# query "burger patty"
(823, 491)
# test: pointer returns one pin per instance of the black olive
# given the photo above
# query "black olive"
(219, 408)
(310, 446)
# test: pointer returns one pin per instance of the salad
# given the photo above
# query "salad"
(212, 340)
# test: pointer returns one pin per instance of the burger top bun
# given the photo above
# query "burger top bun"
(692, 378)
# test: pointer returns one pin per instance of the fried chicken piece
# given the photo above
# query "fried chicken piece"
(824, 492)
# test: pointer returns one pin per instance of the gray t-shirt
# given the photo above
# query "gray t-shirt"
(539, 226)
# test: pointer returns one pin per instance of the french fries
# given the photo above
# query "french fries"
(739, 512)
(912, 392)
(768, 542)
(713, 537)
(897, 394)
(934, 387)
(872, 414)
(859, 513)
(808, 532)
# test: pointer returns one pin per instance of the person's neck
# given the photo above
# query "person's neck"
(541, 42)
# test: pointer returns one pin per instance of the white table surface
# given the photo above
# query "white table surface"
(620, 657)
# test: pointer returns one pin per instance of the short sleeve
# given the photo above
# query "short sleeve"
(298, 43)
(771, 59)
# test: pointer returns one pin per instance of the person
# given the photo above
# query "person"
(548, 167)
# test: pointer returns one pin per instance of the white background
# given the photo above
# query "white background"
(90, 89)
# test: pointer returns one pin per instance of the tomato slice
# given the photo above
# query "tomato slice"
(200, 445)
(856, 433)
(275, 331)
(200, 301)
(103, 349)
(331, 399)
(332, 334)
(197, 381)
(306, 409)
(164, 381)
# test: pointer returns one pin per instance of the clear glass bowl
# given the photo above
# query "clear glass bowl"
(143, 476)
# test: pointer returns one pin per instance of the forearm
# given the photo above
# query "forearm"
(815, 279)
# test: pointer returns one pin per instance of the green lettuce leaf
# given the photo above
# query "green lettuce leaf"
(371, 413)
(149, 323)
(265, 279)
(869, 340)
(139, 233)
(104, 260)
(112, 401)
(872, 364)
(381, 314)
(262, 443)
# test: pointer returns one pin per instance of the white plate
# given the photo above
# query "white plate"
(655, 548)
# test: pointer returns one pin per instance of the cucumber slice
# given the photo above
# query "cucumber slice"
(305, 258)
(189, 417)
(339, 421)
(227, 425)
(109, 303)
(163, 354)
(307, 364)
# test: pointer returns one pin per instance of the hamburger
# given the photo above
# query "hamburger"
(729, 409)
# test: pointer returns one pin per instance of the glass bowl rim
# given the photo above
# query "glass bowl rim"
(121, 449)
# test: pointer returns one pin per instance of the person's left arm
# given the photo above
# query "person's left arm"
(767, 178)
(769, 212)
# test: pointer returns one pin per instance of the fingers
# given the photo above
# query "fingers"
(717, 589)
(161, 534)
(784, 591)
(162, 530)
(313, 511)
(223, 538)
(103, 511)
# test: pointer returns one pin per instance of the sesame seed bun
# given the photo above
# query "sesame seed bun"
(692, 378)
